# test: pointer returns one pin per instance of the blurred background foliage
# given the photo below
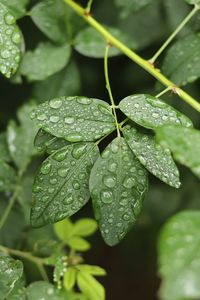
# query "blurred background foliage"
(131, 266)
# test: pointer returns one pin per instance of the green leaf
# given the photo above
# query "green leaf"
(118, 184)
(85, 227)
(11, 272)
(20, 138)
(90, 287)
(92, 270)
(64, 83)
(46, 142)
(179, 257)
(16, 7)
(194, 2)
(19, 291)
(44, 61)
(49, 16)
(90, 43)
(131, 6)
(11, 42)
(78, 244)
(8, 177)
(184, 144)
(63, 229)
(43, 289)
(75, 118)
(182, 61)
(4, 152)
(61, 185)
(69, 279)
(151, 112)
(155, 158)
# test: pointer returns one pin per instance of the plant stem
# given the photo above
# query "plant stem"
(109, 88)
(163, 92)
(37, 260)
(9, 207)
(89, 5)
(174, 34)
(146, 65)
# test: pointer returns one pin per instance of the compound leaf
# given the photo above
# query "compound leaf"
(46, 60)
(90, 43)
(179, 257)
(11, 42)
(61, 185)
(49, 17)
(155, 158)
(184, 144)
(20, 138)
(151, 112)
(11, 272)
(90, 287)
(182, 61)
(118, 183)
(46, 142)
(75, 118)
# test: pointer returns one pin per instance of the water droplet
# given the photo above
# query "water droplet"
(124, 202)
(74, 137)
(60, 156)
(106, 197)
(9, 19)
(78, 150)
(112, 166)
(16, 37)
(69, 120)
(45, 168)
(54, 119)
(41, 117)
(53, 181)
(104, 110)
(62, 172)
(68, 200)
(55, 103)
(5, 53)
(76, 185)
(155, 115)
(109, 181)
(114, 147)
(84, 101)
(129, 182)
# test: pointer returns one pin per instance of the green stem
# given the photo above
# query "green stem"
(109, 88)
(174, 34)
(9, 207)
(163, 92)
(27, 255)
(146, 65)
(89, 5)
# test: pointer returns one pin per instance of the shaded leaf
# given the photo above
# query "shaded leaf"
(75, 118)
(151, 112)
(20, 138)
(155, 158)
(90, 43)
(78, 244)
(184, 144)
(131, 6)
(8, 177)
(61, 185)
(179, 257)
(19, 291)
(195, 2)
(4, 152)
(85, 227)
(10, 43)
(16, 7)
(90, 287)
(182, 61)
(44, 61)
(64, 83)
(43, 289)
(63, 229)
(49, 16)
(45, 142)
(11, 272)
(69, 279)
(118, 184)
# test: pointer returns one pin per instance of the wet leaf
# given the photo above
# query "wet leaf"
(64, 83)
(49, 16)
(90, 287)
(75, 118)
(69, 279)
(46, 142)
(11, 272)
(44, 61)
(20, 138)
(184, 144)
(8, 177)
(43, 289)
(90, 43)
(155, 158)
(151, 112)
(118, 184)
(61, 185)
(11, 42)
(16, 7)
(179, 257)
(182, 61)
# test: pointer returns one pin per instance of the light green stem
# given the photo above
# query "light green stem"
(146, 65)
(89, 5)
(163, 92)
(174, 34)
(109, 88)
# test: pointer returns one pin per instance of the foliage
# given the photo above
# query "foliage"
(68, 148)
